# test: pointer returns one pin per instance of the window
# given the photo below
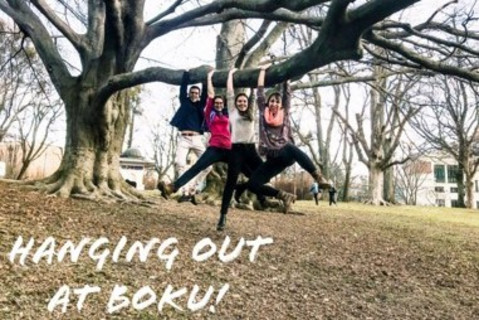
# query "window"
(452, 173)
(439, 173)
(439, 189)
(454, 190)
(476, 185)
(455, 204)
(440, 202)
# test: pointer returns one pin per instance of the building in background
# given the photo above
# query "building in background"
(436, 177)
(135, 169)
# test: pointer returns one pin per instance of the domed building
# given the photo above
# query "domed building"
(133, 167)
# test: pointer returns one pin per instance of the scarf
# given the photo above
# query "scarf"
(272, 118)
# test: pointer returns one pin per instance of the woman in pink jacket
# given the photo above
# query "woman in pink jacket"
(217, 119)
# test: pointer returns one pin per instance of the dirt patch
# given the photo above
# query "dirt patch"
(326, 264)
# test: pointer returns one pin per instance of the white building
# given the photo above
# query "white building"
(133, 167)
(436, 181)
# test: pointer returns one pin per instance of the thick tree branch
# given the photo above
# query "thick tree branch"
(165, 13)
(267, 43)
(425, 62)
(252, 42)
(32, 26)
(76, 39)
(374, 11)
(96, 30)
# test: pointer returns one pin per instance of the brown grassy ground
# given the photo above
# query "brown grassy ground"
(345, 262)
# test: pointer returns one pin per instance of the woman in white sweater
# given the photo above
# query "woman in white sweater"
(243, 155)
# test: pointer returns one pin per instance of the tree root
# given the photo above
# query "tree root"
(380, 202)
(118, 192)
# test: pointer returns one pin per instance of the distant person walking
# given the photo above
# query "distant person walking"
(315, 191)
(332, 196)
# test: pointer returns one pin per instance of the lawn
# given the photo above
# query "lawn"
(352, 261)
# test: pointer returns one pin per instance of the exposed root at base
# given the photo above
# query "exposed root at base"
(76, 188)
(381, 202)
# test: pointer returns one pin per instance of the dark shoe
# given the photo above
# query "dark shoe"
(193, 200)
(262, 201)
(287, 198)
(165, 189)
(239, 192)
(322, 182)
(221, 223)
(184, 198)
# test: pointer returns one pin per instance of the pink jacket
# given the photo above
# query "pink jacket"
(219, 125)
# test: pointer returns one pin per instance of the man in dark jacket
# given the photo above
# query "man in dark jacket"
(189, 120)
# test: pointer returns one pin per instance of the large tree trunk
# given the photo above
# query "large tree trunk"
(461, 194)
(95, 134)
(469, 194)
(347, 162)
(376, 186)
(388, 176)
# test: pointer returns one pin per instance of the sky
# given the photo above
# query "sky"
(190, 48)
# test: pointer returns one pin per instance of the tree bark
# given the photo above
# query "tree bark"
(90, 166)
(389, 192)
(376, 180)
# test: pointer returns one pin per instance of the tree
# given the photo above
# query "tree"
(410, 177)
(450, 123)
(111, 40)
(389, 111)
(16, 80)
(34, 127)
(29, 105)
(163, 143)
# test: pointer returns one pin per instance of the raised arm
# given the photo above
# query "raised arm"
(209, 84)
(286, 95)
(211, 95)
(230, 91)
(184, 86)
(260, 99)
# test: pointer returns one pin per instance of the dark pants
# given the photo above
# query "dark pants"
(244, 159)
(274, 165)
(332, 199)
(209, 157)
(315, 195)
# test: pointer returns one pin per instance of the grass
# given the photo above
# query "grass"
(352, 261)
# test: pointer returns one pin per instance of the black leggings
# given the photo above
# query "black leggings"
(274, 165)
(315, 195)
(244, 159)
(209, 157)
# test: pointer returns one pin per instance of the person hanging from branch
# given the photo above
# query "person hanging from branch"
(189, 121)
(217, 120)
(277, 144)
(243, 156)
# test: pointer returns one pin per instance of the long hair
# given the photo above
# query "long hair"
(248, 113)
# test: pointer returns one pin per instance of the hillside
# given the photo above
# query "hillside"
(345, 262)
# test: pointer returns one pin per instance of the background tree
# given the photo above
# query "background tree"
(29, 105)
(163, 143)
(134, 105)
(389, 111)
(16, 83)
(450, 123)
(410, 178)
(112, 36)
(35, 126)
